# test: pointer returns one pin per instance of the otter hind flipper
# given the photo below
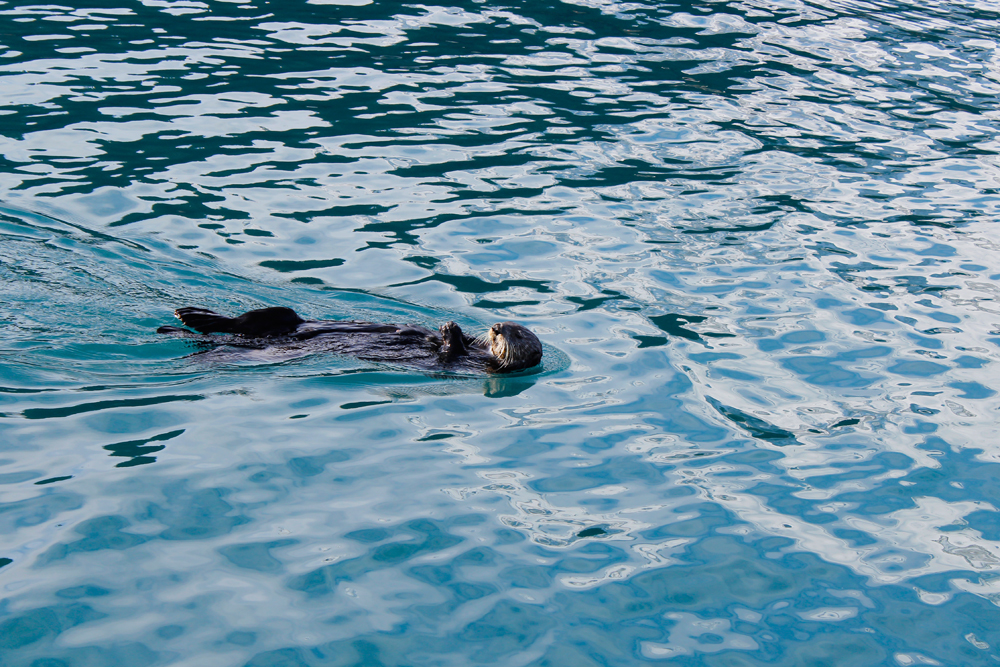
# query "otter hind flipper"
(204, 321)
(262, 323)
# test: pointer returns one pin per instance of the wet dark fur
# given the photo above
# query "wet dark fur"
(506, 347)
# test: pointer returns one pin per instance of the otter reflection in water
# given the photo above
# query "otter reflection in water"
(505, 347)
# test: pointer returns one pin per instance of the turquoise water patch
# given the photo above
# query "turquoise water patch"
(755, 239)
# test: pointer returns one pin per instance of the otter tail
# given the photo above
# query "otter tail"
(174, 331)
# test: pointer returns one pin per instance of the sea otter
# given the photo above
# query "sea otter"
(505, 347)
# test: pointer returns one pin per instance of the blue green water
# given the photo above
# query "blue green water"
(755, 236)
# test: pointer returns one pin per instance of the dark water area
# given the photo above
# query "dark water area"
(755, 237)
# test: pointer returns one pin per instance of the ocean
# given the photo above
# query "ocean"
(754, 236)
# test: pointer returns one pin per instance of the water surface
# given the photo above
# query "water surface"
(756, 238)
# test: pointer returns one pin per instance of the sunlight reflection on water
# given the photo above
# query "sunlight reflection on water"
(754, 237)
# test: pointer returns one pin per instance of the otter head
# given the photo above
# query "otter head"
(513, 346)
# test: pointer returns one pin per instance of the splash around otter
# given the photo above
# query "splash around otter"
(504, 348)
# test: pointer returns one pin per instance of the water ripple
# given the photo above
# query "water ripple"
(755, 238)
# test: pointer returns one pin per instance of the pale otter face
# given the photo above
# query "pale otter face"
(514, 346)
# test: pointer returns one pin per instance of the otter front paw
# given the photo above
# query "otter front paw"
(452, 341)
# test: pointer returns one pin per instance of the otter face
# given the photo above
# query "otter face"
(514, 346)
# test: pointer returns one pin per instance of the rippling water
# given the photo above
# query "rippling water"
(756, 237)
